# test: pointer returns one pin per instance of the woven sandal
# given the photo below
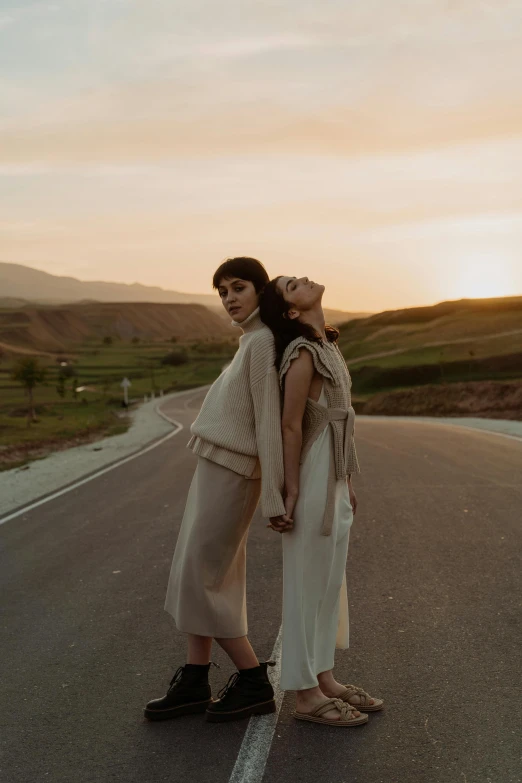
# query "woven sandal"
(364, 704)
(344, 708)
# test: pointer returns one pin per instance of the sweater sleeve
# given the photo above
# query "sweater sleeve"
(267, 412)
(266, 396)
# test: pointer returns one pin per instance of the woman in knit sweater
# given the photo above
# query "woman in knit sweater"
(319, 459)
(237, 439)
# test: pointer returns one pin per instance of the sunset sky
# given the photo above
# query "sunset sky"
(375, 146)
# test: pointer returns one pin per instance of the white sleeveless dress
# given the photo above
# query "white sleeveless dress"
(315, 601)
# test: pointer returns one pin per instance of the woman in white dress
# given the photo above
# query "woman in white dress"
(319, 459)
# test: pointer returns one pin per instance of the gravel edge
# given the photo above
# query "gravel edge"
(21, 486)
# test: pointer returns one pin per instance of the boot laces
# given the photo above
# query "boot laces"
(177, 677)
(179, 674)
(232, 680)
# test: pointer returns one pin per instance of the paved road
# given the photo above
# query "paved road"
(434, 598)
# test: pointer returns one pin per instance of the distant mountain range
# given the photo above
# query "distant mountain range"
(23, 284)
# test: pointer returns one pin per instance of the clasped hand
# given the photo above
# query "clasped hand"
(284, 522)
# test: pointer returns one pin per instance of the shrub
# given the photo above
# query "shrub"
(212, 347)
(175, 358)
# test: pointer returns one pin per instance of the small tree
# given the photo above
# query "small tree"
(60, 386)
(29, 372)
(65, 371)
(175, 358)
(135, 340)
(107, 340)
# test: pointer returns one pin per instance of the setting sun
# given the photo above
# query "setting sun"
(479, 278)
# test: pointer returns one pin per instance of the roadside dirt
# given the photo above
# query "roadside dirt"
(484, 399)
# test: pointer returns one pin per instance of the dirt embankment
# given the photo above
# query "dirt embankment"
(484, 399)
(58, 328)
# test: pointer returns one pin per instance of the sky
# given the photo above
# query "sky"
(374, 146)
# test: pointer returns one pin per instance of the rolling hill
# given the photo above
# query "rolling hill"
(454, 358)
(487, 327)
(53, 329)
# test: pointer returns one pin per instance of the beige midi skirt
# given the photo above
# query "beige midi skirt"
(206, 593)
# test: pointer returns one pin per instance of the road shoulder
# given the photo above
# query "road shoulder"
(21, 486)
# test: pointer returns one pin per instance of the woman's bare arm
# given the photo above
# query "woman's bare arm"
(297, 387)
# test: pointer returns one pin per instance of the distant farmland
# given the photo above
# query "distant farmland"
(455, 358)
(97, 346)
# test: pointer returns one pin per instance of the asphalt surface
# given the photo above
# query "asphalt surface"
(434, 586)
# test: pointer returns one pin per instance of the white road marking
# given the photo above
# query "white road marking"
(253, 753)
(178, 427)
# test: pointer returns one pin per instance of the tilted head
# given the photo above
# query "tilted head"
(284, 305)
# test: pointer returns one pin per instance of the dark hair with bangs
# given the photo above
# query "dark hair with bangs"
(245, 269)
(273, 309)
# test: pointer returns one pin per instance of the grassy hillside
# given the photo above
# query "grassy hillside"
(338, 317)
(448, 332)
(450, 343)
(425, 328)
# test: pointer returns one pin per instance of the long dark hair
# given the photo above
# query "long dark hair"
(244, 268)
(273, 309)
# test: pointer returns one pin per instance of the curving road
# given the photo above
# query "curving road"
(434, 584)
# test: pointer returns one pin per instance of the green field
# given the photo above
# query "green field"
(451, 342)
(95, 410)
(472, 348)
(374, 335)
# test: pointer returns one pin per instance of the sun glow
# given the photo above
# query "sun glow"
(480, 278)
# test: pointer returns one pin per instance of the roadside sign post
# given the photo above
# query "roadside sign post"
(125, 385)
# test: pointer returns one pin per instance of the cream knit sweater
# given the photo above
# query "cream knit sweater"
(239, 424)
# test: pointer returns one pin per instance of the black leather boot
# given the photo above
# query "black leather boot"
(247, 692)
(189, 692)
